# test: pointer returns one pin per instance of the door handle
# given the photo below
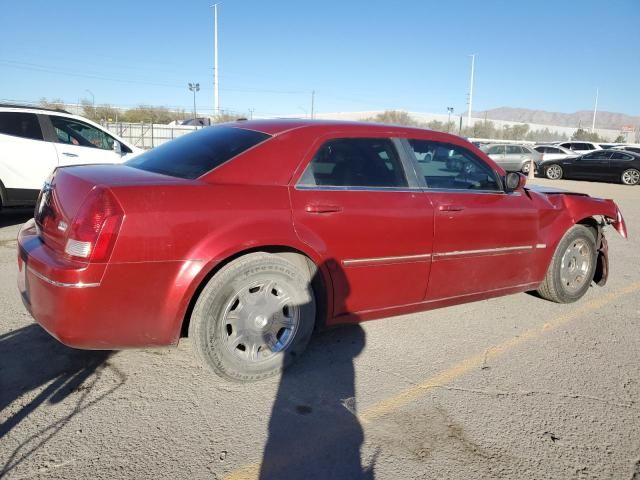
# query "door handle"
(68, 154)
(323, 208)
(450, 208)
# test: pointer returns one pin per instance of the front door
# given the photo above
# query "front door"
(594, 165)
(357, 206)
(485, 239)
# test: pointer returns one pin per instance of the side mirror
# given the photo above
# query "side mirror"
(117, 148)
(514, 181)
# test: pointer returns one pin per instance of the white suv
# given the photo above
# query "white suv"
(581, 147)
(34, 141)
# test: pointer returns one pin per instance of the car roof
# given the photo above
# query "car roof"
(283, 125)
(15, 106)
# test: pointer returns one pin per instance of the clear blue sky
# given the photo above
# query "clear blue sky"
(357, 54)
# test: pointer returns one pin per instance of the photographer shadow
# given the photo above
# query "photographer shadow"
(314, 431)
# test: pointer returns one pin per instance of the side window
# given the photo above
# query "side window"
(553, 150)
(513, 149)
(621, 156)
(458, 169)
(496, 150)
(355, 162)
(74, 132)
(20, 124)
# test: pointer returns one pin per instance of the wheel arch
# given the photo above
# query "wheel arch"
(318, 271)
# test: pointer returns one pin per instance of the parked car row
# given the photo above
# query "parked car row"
(606, 165)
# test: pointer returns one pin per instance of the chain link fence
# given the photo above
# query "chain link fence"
(147, 135)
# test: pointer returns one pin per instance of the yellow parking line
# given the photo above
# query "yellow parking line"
(378, 409)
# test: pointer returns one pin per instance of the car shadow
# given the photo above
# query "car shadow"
(314, 430)
(31, 360)
(14, 216)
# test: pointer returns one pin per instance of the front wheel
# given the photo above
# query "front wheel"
(553, 172)
(253, 318)
(572, 267)
(631, 177)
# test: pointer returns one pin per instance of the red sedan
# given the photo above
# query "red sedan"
(250, 235)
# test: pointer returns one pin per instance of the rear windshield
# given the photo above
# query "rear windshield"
(195, 154)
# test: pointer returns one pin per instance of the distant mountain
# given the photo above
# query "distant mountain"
(582, 118)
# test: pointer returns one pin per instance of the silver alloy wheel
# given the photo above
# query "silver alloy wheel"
(631, 177)
(575, 265)
(526, 167)
(260, 320)
(554, 172)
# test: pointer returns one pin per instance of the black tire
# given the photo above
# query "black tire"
(555, 286)
(631, 176)
(553, 171)
(213, 332)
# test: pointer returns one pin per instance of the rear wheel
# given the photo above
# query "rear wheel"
(253, 318)
(631, 177)
(526, 167)
(553, 172)
(572, 267)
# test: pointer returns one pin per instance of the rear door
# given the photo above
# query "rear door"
(25, 158)
(619, 163)
(514, 158)
(485, 239)
(77, 142)
(360, 208)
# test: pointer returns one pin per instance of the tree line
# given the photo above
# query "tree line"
(488, 129)
(141, 113)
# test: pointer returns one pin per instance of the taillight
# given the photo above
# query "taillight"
(95, 227)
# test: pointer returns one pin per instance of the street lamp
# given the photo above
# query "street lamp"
(450, 110)
(194, 87)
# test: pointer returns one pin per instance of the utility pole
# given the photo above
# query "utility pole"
(450, 110)
(595, 109)
(216, 97)
(251, 113)
(473, 64)
(194, 87)
(313, 99)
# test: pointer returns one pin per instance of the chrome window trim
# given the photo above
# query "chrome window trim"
(357, 189)
(466, 190)
(62, 284)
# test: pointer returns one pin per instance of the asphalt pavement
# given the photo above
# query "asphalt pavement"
(513, 387)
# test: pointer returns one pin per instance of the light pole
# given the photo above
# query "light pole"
(194, 87)
(595, 110)
(93, 101)
(473, 65)
(216, 98)
(450, 110)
